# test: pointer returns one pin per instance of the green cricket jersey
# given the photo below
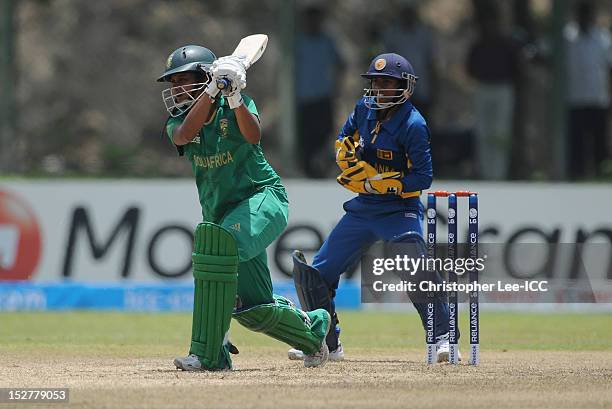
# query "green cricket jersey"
(227, 168)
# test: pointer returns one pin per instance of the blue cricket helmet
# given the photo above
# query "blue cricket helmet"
(390, 65)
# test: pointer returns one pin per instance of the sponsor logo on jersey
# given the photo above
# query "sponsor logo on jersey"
(383, 154)
(382, 168)
(223, 127)
(196, 140)
(380, 64)
(213, 161)
(235, 226)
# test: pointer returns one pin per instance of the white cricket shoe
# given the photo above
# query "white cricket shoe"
(189, 363)
(192, 363)
(337, 354)
(318, 358)
(322, 355)
(443, 350)
(295, 354)
(334, 356)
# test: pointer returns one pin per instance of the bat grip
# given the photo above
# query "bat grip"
(223, 83)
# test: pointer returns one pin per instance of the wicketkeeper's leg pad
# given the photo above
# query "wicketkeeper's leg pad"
(215, 270)
(283, 321)
(313, 293)
(412, 244)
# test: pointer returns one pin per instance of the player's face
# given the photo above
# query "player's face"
(387, 92)
(182, 83)
(386, 87)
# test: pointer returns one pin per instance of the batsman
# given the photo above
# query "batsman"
(244, 209)
(383, 152)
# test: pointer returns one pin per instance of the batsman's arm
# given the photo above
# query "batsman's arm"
(248, 123)
(194, 121)
(418, 149)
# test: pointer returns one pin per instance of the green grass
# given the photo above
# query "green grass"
(140, 334)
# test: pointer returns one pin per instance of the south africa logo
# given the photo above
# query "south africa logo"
(223, 127)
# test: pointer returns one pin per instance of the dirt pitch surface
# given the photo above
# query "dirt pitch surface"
(367, 379)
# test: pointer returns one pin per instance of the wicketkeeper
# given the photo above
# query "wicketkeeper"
(244, 208)
(383, 151)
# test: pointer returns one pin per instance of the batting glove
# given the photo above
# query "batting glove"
(232, 69)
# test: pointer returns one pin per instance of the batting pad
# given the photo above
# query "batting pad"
(215, 269)
(284, 322)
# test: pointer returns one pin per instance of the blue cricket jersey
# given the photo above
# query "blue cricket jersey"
(400, 143)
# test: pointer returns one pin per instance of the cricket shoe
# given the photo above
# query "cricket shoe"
(191, 363)
(334, 356)
(443, 350)
(295, 354)
(321, 322)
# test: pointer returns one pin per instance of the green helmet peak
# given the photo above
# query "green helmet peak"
(188, 58)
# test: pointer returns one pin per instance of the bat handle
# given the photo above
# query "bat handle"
(223, 83)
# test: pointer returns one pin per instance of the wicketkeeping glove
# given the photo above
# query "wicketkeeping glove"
(346, 151)
(363, 178)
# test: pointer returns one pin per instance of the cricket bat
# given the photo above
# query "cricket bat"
(249, 50)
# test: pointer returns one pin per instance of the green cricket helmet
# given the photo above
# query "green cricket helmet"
(189, 58)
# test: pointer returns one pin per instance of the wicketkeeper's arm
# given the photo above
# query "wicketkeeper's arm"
(347, 143)
(420, 173)
(349, 128)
